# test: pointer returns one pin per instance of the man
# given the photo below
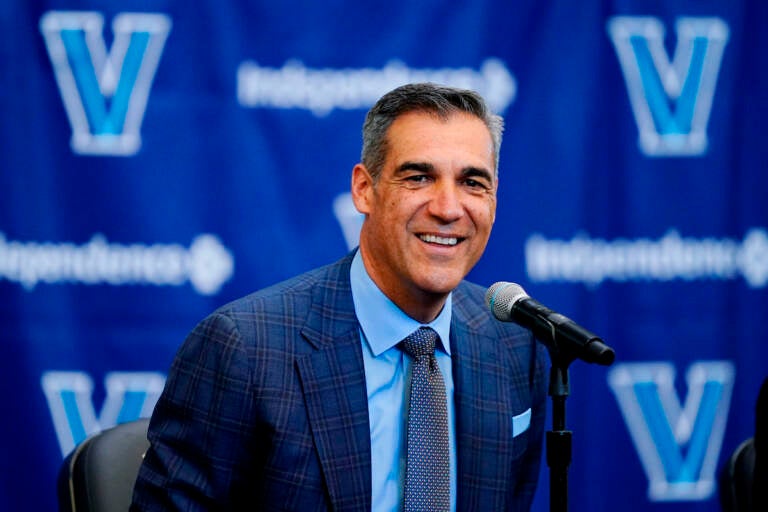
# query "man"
(301, 397)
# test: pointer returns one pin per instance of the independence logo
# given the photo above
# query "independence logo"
(206, 264)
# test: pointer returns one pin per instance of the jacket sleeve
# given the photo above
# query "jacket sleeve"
(201, 432)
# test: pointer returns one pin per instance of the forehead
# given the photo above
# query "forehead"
(425, 135)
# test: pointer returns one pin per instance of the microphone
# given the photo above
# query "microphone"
(509, 303)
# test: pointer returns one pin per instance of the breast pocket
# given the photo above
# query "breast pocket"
(520, 426)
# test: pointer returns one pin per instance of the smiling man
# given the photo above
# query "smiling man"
(428, 209)
(379, 382)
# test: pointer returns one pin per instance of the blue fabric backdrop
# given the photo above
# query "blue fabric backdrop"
(158, 159)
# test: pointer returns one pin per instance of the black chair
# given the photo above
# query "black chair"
(99, 474)
(737, 479)
(743, 481)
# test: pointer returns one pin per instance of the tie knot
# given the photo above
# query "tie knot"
(421, 342)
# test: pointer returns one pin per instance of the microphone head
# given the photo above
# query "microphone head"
(500, 298)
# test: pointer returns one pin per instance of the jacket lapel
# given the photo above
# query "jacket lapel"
(482, 394)
(333, 381)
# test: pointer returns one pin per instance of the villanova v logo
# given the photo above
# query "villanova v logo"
(128, 396)
(678, 445)
(104, 93)
(671, 100)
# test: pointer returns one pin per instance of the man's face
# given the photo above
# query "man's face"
(429, 215)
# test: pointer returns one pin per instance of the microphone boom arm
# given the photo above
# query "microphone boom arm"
(562, 334)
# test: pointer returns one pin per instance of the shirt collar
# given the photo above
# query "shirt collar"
(384, 324)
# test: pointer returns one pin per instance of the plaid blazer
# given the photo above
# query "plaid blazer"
(265, 406)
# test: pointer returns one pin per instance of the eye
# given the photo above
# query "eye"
(417, 178)
(476, 184)
(477, 179)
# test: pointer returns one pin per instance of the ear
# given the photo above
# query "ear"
(362, 189)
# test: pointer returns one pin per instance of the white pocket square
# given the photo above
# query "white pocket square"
(521, 422)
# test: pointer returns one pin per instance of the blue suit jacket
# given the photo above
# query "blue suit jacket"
(265, 406)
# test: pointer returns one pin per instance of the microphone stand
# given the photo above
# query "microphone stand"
(558, 439)
(565, 341)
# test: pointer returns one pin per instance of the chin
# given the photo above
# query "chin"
(440, 286)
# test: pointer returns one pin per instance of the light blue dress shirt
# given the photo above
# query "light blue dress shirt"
(382, 326)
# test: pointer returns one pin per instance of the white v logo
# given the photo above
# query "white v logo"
(104, 93)
(671, 100)
(128, 396)
(678, 444)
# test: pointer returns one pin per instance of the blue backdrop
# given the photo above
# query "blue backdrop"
(158, 159)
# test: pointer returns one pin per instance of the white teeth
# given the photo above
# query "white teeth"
(439, 240)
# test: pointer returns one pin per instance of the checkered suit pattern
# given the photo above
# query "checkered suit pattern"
(265, 406)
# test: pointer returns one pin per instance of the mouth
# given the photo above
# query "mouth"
(446, 241)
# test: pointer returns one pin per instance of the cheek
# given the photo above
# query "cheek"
(483, 215)
(402, 207)
(491, 205)
(490, 215)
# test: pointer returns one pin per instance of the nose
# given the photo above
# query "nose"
(445, 203)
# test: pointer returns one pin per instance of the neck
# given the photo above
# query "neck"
(423, 309)
(418, 304)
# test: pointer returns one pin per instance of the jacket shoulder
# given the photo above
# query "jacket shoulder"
(470, 308)
(330, 279)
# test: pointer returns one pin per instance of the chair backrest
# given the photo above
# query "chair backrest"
(760, 484)
(99, 474)
(737, 479)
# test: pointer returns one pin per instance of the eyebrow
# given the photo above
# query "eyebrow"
(414, 166)
(478, 172)
(471, 171)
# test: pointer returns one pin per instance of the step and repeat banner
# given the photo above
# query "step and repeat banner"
(159, 159)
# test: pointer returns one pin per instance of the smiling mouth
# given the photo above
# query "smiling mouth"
(440, 240)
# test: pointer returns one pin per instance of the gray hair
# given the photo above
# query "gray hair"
(422, 97)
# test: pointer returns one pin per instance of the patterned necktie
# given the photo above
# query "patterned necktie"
(427, 472)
